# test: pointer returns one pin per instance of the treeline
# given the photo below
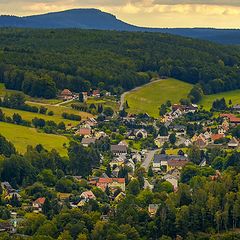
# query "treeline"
(115, 61)
(18, 101)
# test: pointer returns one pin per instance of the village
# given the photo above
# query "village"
(137, 146)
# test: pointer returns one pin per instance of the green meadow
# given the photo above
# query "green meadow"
(148, 99)
(56, 117)
(22, 136)
(207, 100)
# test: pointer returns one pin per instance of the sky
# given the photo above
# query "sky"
(148, 13)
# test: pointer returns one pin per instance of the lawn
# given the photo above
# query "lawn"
(208, 99)
(21, 137)
(148, 99)
(105, 101)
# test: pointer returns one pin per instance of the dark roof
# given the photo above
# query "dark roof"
(164, 157)
(118, 148)
(237, 106)
(88, 140)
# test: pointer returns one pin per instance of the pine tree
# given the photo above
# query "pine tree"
(81, 98)
(150, 172)
(108, 170)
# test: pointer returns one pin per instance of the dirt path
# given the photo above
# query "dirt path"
(135, 89)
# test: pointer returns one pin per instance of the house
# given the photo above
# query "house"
(124, 143)
(38, 204)
(87, 141)
(201, 141)
(84, 131)
(87, 195)
(175, 173)
(66, 94)
(9, 192)
(216, 137)
(160, 140)
(7, 227)
(131, 164)
(233, 143)
(168, 162)
(92, 122)
(231, 118)
(136, 157)
(140, 133)
(236, 108)
(115, 172)
(120, 197)
(6, 186)
(187, 143)
(176, 163)
(171, 179)
(112, 183)
(207, 134)
(131, 135)
(96, 93)
(118, 150)
(221, 130)
(85, 96)
(118, 161)
(152, 209)
(180, 130)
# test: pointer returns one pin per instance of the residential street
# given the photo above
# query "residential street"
(149, 156)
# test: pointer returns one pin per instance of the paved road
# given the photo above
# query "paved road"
(135, 89)
(148, 158)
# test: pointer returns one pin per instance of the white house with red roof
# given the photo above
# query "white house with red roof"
(112, 183)
(38, 204)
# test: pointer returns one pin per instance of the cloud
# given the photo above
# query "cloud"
(154, 13)
(199, 2)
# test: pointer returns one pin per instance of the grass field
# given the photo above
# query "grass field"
(148, 99)
(21, 137)
(208, 99)
(56, 117)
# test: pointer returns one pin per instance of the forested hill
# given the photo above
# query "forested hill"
(36, 61)
(96, 19)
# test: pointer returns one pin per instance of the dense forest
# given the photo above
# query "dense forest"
(41, 61)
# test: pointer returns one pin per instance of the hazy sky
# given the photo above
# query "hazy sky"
(154, 13)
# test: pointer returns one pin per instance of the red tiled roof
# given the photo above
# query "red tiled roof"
(232, 118)
(84, 131)
(215, 137)
(111, 180)
(40, 200)
(95, 92)
(89, 194)
(66, 92)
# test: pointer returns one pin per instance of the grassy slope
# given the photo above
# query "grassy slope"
(21, 137)
(56, 118)
(233, 95)
(58, 110)
(150, 97)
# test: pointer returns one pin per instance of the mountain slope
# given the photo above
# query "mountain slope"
(96, 19)
(34, 59)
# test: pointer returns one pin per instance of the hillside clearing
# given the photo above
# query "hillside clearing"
(207, 100)
(21, 137)
(148, 99)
